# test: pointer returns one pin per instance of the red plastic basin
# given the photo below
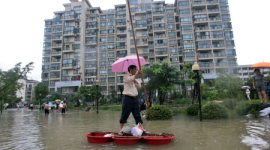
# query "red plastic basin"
(126, 141)
(98, 137)
(158, 141)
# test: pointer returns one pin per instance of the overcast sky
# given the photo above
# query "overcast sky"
(22, 29)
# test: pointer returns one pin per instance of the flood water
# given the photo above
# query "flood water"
(24, 129)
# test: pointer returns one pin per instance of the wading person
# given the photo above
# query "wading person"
(31, 106)
(131, 99)
(46, 107)
(258, 84)
(248, 94)
(64, 108)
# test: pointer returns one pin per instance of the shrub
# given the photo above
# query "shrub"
(182, 101)
(193, 109)
(242, 109)
(160, 112)
(178, 111)
(230, 103)
(214, 111)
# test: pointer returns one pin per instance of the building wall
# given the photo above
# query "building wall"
(21, 92)
(182, 32)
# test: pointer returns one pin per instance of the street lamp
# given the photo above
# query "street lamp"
(196, 69)
(40, 101)
(97, 82)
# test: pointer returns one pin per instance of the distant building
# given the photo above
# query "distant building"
(246, 72)
(27, 92)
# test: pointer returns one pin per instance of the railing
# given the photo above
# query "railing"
(161, 44)
(215, 27)
(217, 36)
(55, 76)
(198, 3)
(91, 50)
(205, 55)
(160, 36)
(161, 53)
(93, 26)
(55, 68)
(121, 55)
(221, 64)
(199, 11)
(211, 2)
(121, 31)
(158, 20)
(219, 54)
(200, 19)
(215, 18)
(57, 29)
(213, 10)
(218, 45)
(91, 42)
(56, 60)
(204, 65)
(121, 47)
(56, 37)
(146, 50)
(56, 45)
(142, 42)
(151, 45)
(202, 37)
(120, 23)
(90, 34)
(159, 28)
(204, 46)
(121, 39)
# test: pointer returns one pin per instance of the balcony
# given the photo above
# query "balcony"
(121, 47)
(200, 20)
(151, 46)
(161, 53)
(120, 24)
(214, 18)
(145, 50)
(160, 28)
(121, 39)
(71, 78)
(142, 43)
(199, 11)
(218, 45)
(121, 31)
(57, 45)
(55, 68)
(201, 28)
(198, 3)
(158, 20)
(202, 37)
(219, 54)
(160, 36)
(56, 37)
(56, 53)
(213, 10)
(91, 42)
(205, 55)
(161, 44)
(204, 46)
(205, 65)
(212, 2)
(221, 64)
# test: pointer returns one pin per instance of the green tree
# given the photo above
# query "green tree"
(41, 91)
(227, 85)
(9, 80)
(75, 99)
(121, 89)
(162, 77)
(56, 95)
(93, 92)
(113, 94)
(84, 92)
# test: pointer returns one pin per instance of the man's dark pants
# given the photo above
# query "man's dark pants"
(46, 111)
(131, 104)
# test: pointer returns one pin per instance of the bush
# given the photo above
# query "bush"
(160, 112)
(242, 109)
(178, 111)
(214, 111)
(193, 109)
(230, 103)
(182, 101)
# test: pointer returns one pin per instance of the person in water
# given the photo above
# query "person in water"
(258, 84)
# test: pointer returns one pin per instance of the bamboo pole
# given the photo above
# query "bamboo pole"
(130, 17)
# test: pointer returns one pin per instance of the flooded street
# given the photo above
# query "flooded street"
(24, 129)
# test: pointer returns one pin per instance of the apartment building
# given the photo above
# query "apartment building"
(27, 91)
(81, 42)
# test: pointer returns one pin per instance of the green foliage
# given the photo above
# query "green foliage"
(214, 111)
(182, 101)
(242, 108)
(213, 95)
(204, 90)
(41, 91)
(179, 111)
(9, 79)
(93, 91)
(193, 109)
(113, 93)
(162, 78)
(56, 95)
(230, 103)
(160, 112)
(253, 92)
(227, 85)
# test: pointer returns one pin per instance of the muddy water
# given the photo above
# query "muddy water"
(24, 129)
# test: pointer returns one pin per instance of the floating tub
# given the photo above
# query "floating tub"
(98, 137)
(158, 140)
(125, 140)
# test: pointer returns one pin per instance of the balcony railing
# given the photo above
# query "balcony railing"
(160, 36)
(121, 47)
(202, 37)
(204, 46)
(120, 23)
(204, 65)
(121, 31)
(221, 64)
(211, 2)
(205, 55)
(218, 45)
(213, 10)
(161, 44)
(215, 18)
(57, 45)
(161, 53)
(217, 36)
(198, 3)
(91, 42)
(199, 11)
(121, 39)
(158, 20)
(219, 54)
(200, 19)
(56, 60)
(159, 28)
(142, 42)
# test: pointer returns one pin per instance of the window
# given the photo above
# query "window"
(47, 37)
(55, 74)
(224, 8)
(186, 28)
(47, 44)
(103, 31)
(76, 46)
(187, 36)
(48, 30)
(102, 55)
(55, 66)
(77, 55)
(46, 52)
(110, 62)
(90, 72)
(110, 54)
(110, 31)
(111, 46)
(48, 23)
(170, 11)
(183, 3)
(189, 54)
(228, 34)
(223, 1)
(217, 34)
(131, 34)
(185, 19)
(215, 25)
(45, 59)
(103, 39)
(91, 24)
(102, 63)
(90, 64)
(144, 32)
(134, 9)
(229, 43)
(102, 47)
(69, 30)
(231, 52)
(111, 39)
(170, 19)
(171, 26)
(103, 24)
(132, 50)
(78, 16)
(77, 8)
(90, 56)
(171, 34)
(226, 17)
(172, 42)
(46, 67)
(76, 71)
(110, 24)
(111, 16)
(131, 42)
(77, 23)
(188, 45)
(133, 2)
(68, 63)
(103, 17)
(204, 44)
(184, 11)
(77, 38)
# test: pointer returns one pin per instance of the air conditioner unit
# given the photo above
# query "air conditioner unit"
(78, 67)
(127, 20)
(129, 29)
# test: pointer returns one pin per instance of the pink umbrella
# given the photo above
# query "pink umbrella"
(245, 87)
(122, 64)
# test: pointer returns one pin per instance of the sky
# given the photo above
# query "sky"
(22, 30)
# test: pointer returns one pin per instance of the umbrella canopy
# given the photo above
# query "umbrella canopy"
(261, 65)
(58, 100)
(50, 104)
(245, 87)
(122, 64)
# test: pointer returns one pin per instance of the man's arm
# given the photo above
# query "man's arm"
(137, 84)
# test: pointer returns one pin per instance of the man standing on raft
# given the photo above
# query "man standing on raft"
(131, 99)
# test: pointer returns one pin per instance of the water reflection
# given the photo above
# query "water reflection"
(24, 129)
